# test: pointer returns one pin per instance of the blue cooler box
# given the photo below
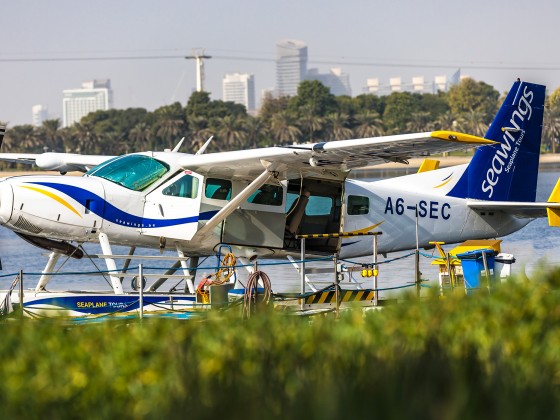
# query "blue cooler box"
(473, 267)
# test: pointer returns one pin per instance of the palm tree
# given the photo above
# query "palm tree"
(49, 129)
(310, 122)
(368, 124)
(474, 123)
(255, 130)
(68, 139)
(283, 128)
(22, 138)
(230, 132)
(87, 138)
(448, 121)
(337, 126)
(140, 136)
(114, 142)
(169, 129)
(419, 122)
(551, 127)
(199, 133)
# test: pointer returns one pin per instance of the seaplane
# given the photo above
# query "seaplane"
(258, 201)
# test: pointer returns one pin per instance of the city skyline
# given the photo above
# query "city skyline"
(494, 42)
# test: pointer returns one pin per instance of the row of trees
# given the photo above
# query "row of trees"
(314, 114)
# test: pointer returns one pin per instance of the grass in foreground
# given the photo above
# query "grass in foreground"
(479, 357)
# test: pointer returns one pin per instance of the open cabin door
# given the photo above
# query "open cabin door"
(314, 206)
(259, 221)
(172, 210)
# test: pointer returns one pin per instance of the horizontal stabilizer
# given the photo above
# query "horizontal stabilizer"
(554, 214)
(521, 209)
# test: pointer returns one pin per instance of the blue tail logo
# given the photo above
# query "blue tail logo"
(508, 170)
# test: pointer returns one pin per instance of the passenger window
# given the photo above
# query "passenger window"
(186, 187)
(358, 204)
(218, 189)
(270, 195)
(319, 206)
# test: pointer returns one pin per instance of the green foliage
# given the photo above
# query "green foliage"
(315, 96)
(470, 95)
(398, 110)
(485, 356)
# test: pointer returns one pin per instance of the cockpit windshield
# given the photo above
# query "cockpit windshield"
(135, 172)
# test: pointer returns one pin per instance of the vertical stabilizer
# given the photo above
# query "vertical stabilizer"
(508, 171)
(2, 131)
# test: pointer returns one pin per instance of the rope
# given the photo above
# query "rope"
(226, 270)
(251, 291)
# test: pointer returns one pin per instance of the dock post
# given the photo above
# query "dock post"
(141, 291)
(417, 258)
(21, 291)
(449, 272)
(302, 271)
(486, 271)
(336, 285)
(375, 272)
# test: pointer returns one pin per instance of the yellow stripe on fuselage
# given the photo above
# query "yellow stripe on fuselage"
(364, 230)
(54, 197)
(443, 183)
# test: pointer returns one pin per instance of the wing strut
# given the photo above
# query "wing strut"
(234, 203)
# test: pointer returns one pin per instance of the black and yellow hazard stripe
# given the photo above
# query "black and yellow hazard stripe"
(336, 235)
(346, 296)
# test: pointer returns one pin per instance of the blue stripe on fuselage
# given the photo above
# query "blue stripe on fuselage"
(115, 215)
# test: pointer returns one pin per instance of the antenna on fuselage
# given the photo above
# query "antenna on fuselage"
(176, 148)
(204, 146)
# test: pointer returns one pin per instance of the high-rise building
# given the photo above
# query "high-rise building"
(39, 113)
(94, 95)
(337, 81)
(419, 84)
(291, 66)
(239, 88)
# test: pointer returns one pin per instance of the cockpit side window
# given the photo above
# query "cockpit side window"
(218, 189)
(135, 172)
(185, 187)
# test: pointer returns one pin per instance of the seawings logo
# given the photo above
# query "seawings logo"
(505, 155)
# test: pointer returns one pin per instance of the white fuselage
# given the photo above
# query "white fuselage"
(80, 208)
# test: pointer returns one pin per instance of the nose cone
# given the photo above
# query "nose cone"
(6, 201)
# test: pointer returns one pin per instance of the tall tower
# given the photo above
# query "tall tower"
(291, 66)
(39, 113)
(94, 95)
(199, 56)
(239, 88)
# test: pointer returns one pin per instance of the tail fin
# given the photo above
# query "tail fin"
(2, 131)
(508, 171)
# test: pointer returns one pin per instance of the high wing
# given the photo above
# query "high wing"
(52, 161)
(333, 157)
(330, 157)
(333, 160)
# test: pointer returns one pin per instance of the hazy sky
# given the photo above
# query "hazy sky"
(492, 40)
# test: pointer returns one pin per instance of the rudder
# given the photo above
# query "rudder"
(508, 171)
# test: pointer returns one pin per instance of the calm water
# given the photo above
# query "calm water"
(534, 246)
